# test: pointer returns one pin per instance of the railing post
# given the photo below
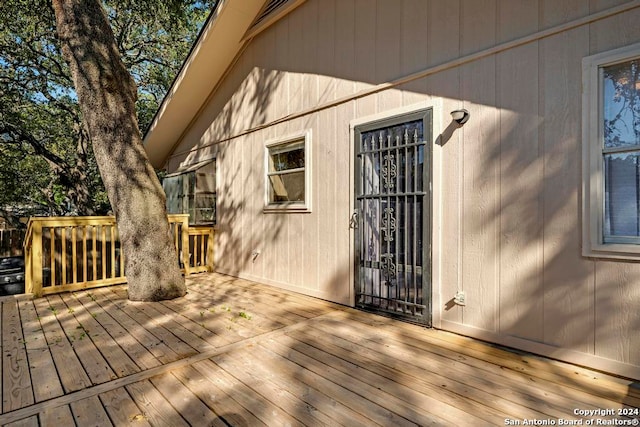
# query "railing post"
(185, 245)
(35, 286)
(210, 250)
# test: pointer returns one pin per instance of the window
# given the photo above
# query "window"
(611, 143)
(288, 177)
(193, 191)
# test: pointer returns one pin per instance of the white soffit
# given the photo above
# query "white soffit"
(218, 44)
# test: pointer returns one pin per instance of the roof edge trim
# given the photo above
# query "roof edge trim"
(261, 23)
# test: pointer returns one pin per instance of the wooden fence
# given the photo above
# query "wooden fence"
(70, 253)
(11, 242)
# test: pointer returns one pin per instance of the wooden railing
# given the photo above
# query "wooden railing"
(201, 249)
(72, 253)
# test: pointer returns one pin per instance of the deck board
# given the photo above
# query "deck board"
(564, 379)
(258, 380)
(185, 401)
(44, 377)
(55, 417)
(90, 411)
(221, 402)
(479, 381)
(154, 405)
(122, 409)
(72, 375)
(417, 389)
(165, 336)
(127, 341)
(17, 390)
(233, 352)
(95, 365)
(260, 407)
(89, 329)
(143, 335)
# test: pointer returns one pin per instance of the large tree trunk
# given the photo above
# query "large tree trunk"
(107, 95)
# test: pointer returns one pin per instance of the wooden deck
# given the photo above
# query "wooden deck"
(237, 353)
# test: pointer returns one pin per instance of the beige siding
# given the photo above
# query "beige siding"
(480, 191)
(509, 192)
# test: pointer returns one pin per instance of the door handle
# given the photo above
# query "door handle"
(353, 222)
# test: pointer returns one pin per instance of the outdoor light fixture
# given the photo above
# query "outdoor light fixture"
(460, 116)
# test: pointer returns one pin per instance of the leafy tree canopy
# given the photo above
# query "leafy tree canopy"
(47, 165)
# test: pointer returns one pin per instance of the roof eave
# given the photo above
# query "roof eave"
(223, 34)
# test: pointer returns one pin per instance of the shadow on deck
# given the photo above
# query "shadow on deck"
(233, 352)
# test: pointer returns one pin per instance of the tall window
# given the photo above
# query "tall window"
(193, 191)
(612, 148)
(287, 167)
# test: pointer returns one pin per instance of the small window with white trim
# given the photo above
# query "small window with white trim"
(611, 144)
(288, 177)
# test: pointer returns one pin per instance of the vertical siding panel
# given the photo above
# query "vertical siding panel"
(324, 148)
(365, 48)
(265, 94)
(342, 287)
(443, 29)
(325, 52)
(229, 225)
(251, 85)
(237, 87)
(269, 245)
(617, 316)
(516, 18)
(309, 12)
(236, 208)
(221, 182)
(325, 162)
(254, 200)
(413, 48)
(480, 253)
(521, 176)
(282, 66)
(365, 54)
(311, 221)
(242, 214)
(270, 78)
(616, 31)
(600, 5)
(414, 33)
(568, 278)
(388, 62)
(344, 48)
(556, 13)
(297, 56)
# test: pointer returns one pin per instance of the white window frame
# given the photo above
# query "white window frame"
(302, 207)
(593, 206)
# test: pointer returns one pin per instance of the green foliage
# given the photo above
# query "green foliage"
(47, 163)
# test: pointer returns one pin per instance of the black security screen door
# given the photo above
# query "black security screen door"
(393, 203)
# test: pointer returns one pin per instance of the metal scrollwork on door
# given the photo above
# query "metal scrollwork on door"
(388, 224)
(388, 268)
(389, 171)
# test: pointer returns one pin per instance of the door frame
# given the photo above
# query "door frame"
(435, 104)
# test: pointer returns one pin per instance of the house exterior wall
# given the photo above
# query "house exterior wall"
(506, 185)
